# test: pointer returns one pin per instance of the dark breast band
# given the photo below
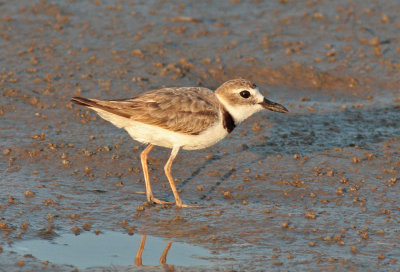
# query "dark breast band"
(228, 122)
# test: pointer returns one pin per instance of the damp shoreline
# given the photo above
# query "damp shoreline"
(315, 189)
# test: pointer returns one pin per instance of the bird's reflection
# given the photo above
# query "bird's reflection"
(163, 258)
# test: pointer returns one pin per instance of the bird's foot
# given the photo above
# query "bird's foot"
(158, 201)
(181, 205)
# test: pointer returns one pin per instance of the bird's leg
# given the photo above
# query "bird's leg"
(167, 169)
(149, 192)
(143, 159)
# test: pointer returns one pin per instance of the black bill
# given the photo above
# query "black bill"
(272, 106)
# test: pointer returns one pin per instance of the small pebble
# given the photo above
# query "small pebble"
(87, 226)
(29, 194)
(76, 230)
(20, 263)
(285, 225)
(310, 215)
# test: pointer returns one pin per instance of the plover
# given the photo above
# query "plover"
(182, 117)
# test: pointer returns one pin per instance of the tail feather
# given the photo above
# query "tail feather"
(83, 101)
(95, 105)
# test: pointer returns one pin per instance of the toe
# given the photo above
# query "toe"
(158, 201)
(181, 205)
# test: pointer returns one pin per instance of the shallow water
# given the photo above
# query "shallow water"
(111, 249)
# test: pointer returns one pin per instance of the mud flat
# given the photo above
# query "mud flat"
(317, 189)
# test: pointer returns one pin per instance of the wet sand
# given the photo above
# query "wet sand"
(315, 190)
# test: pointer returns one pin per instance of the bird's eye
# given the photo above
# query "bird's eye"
(245, 94)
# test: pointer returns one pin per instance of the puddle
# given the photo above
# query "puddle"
(113, 248)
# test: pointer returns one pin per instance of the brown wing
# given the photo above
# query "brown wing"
(186, 110)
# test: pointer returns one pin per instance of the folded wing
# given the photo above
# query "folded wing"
(184, 110)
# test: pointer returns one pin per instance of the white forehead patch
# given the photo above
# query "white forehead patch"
(258, 96)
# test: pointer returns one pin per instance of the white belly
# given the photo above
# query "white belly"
(162, 137)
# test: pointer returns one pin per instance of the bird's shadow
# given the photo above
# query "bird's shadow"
(209, 161)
